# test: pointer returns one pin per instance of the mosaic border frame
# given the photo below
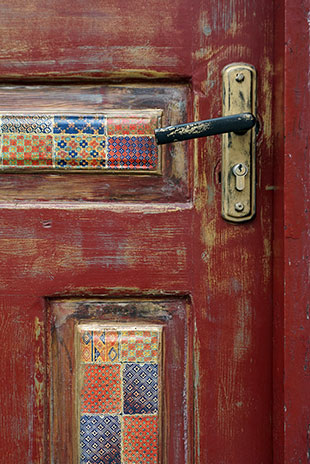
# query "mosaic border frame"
(119, 327)
(107, 114)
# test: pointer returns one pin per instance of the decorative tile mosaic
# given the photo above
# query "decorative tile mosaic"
(139, 346)
(119, 399)
(131, 126)
(24, 150)
(35, 124)
(80, 152)
(101, 392)
(100, 438)
(132, 152)
(83, 124)
(140, 383)
(100, 346)
(140, 440)
(80, 142)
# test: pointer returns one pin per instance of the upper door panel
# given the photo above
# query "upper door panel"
(62, 134)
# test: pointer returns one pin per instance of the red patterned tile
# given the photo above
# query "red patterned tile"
(140, 440)
(27, 150)
(132, 153)
(101, 389)
(139, 346)
(131, 126)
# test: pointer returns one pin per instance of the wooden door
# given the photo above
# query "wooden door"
(144, 251)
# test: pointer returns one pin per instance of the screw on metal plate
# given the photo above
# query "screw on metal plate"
(240, 77)
(239, 207)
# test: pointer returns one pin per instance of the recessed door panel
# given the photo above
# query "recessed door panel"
(118, 386)
(77, 140)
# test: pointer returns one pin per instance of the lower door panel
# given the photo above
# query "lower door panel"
(120, 381)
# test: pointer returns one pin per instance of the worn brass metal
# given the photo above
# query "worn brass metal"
(238, 150)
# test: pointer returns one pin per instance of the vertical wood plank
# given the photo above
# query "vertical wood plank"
(296, 188)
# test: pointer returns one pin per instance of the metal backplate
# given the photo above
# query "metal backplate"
(239, 96)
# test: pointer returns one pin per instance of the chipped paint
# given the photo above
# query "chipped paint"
(39, 387)
(197, 386)
(243, 331)
(38, 364)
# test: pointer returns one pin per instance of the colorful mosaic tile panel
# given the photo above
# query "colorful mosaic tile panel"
(101, 391)
(80, 142)
(80, 151)
(100, 438)
(139, 346)
(100, 346)
(140, 383)
(95, 125)
(36, 124)
(132, 153)
(24, 150)
(112, 387)
(140, 440)
(131, 126)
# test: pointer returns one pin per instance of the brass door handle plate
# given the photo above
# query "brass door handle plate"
(238, 151)
(238, 126)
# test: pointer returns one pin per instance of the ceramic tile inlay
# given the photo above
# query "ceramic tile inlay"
(80, 152)
(140, 440)
(101, 392)
(100, 438)
(100, 346)
(132, 152)
(140, 383)
(139, 346)
(118, 386)
(112, 141)
(27, 150)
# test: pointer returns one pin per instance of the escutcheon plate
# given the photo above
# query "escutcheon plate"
(239, 96)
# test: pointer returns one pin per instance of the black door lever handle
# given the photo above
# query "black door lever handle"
(238, 123)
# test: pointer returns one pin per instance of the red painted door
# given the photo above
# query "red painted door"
(139, 257)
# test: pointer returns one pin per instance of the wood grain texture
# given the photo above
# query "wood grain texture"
(232, 288)
(147, 241)
(62, 39)
(296, 191)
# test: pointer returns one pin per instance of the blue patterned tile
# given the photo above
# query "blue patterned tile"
(35, 124)
(100, 439)
(80, 151)
(140, 386)
(80, 125)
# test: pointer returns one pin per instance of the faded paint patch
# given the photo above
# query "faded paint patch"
(266, 80)
(39, 386)
(242, 331)
(236, 285)
(196, 361)
(226, 16)
(39, 366)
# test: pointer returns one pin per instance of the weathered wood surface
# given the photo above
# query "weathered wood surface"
(131, 249)
(292, 296)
